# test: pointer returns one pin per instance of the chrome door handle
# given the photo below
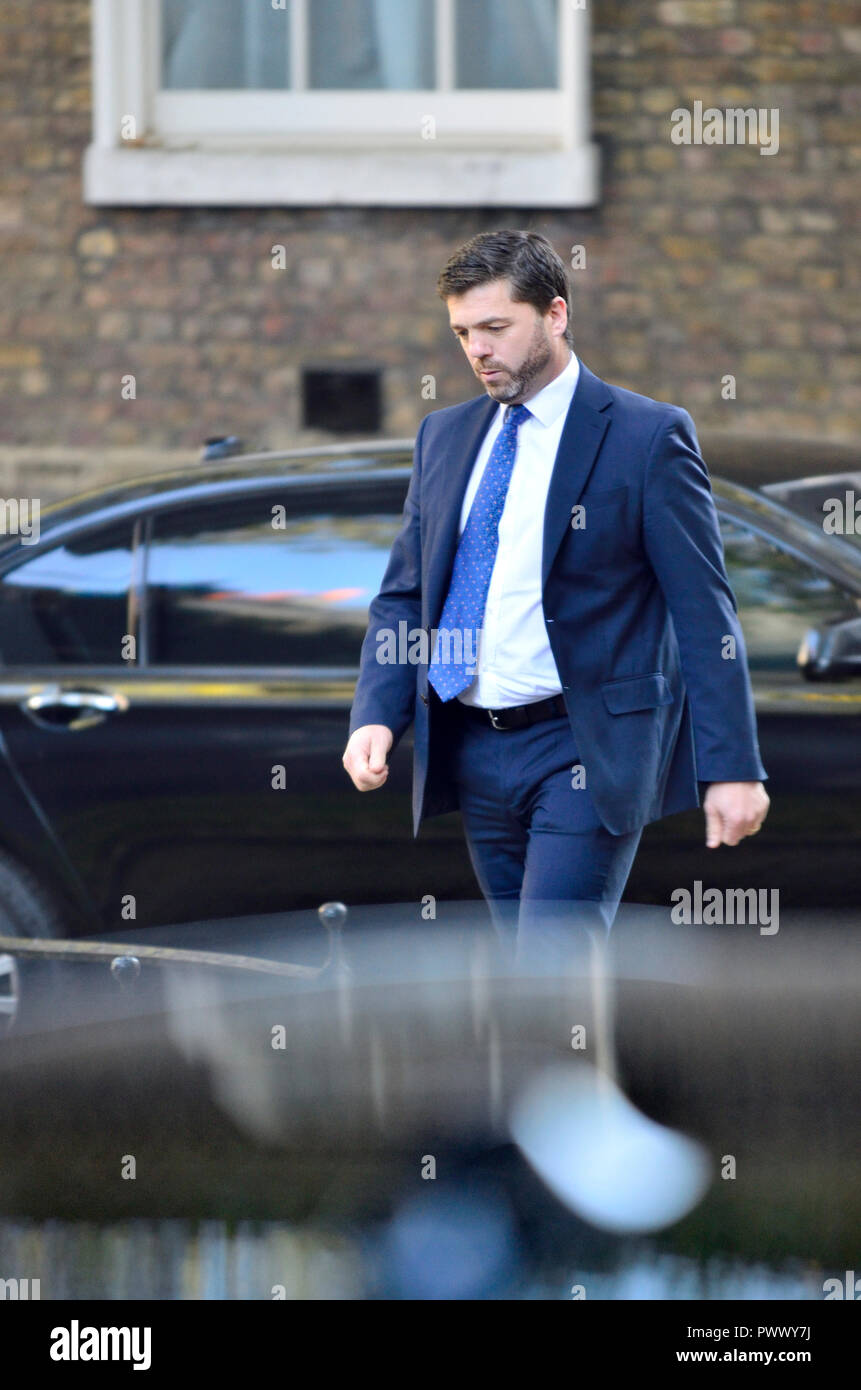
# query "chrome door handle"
(73, 709)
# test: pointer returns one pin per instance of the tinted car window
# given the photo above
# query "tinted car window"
(779, 597)
(273, 580)
(69, 604)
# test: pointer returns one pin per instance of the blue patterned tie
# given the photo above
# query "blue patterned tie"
(452, 666)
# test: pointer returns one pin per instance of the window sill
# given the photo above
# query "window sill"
(323, 177)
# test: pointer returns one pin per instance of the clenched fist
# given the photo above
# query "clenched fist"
(734, 810)
(365, 756)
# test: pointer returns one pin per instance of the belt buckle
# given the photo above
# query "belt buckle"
(493, 719)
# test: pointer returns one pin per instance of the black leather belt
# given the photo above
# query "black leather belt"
(513, 716)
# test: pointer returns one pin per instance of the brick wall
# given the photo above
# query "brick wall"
(701, 261)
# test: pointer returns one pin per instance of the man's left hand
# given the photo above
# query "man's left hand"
(734, 810)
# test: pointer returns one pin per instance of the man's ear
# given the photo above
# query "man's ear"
(559, 323)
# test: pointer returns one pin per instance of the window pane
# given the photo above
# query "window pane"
(506, 43)
(69, 604)
(383, 44)
(229, 588)
(225, 43)
(779, 597)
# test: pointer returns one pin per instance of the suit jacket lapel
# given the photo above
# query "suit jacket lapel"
(582, 435)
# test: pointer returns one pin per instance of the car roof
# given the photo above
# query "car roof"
(372, 461)
(755, 459)
(816, 483)
(126, 496)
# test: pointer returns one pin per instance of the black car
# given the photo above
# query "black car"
(178, 661)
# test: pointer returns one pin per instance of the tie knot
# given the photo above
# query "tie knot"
(515, 415)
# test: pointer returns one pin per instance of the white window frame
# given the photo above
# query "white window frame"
(525, 148)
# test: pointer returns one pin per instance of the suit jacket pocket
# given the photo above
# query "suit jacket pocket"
(637, 692)
(609, 497)
(601, 537)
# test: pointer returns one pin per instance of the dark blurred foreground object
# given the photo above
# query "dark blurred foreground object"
(333, 1100)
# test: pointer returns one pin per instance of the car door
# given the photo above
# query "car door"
(196, 772)
(256, 610)
(66, 609)
(810, 740)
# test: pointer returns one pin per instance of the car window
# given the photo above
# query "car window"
(779, 598)
(69, 604)
(271, 580)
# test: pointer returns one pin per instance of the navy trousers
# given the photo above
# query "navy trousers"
(551, 872)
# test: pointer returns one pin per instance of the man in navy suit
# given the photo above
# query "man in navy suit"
(573, 662)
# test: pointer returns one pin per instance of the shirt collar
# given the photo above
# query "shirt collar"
(556, 396)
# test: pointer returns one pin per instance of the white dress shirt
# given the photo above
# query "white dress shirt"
(516, 665)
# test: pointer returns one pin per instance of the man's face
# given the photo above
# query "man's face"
(508, 343)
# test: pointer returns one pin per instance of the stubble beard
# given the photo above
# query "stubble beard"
(518, 384)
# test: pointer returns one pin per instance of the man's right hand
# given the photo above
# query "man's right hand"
(365, 756)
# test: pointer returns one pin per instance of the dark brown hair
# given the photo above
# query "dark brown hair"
(533, 269)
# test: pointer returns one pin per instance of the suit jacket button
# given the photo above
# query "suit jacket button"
(423, 698)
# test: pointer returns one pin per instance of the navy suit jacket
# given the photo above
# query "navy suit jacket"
(638, 608)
